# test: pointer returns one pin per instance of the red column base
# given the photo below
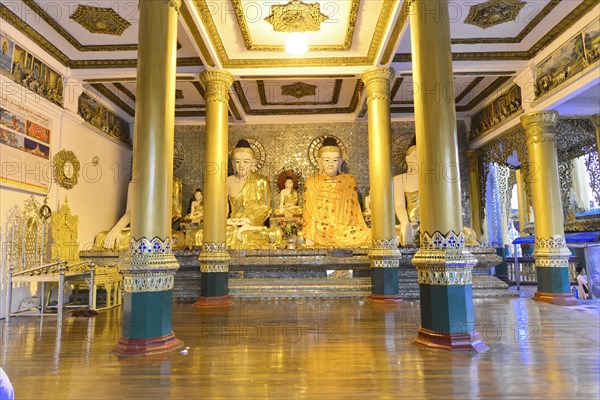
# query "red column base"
(449, 341)
(146, 347)
(220, 301)
(384, 299)
(559, 299)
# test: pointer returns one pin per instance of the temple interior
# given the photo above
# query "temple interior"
(299, 199)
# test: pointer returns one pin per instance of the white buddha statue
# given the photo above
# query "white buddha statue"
(196, 213)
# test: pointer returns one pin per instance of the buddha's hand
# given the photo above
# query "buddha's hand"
(238, 221)
(110, 241)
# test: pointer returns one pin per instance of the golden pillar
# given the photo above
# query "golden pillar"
(148, 273)
(444, 264)
(522, 201)
(384, 253)
(475, 193)
(551, 253)
(214, 257)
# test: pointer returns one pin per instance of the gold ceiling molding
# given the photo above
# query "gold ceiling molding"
(473, 56)
(517, 39)
(382, 21)
(200, 89)
(181, 114)
(292, 77)
(193, 29)
(69, 38)
(473, 73)
(233, 109)
(400, 22)
(116, 100)
(298, 90)
(237, 87)
(100, 20)
(334, 98)
(493, 12)
(295, 16)
(129, 63)
(178, 94)
(468, 89)
(250, 45)
(486, 92)
(395, 89)
(189, 106)
(125, 90)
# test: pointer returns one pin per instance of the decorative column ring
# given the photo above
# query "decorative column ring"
(540, 126)
(149, 266)
(378, 81)
(384, 253)
(214, 257)
(217, 85)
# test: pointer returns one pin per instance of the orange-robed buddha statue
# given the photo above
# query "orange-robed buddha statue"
(332, 216)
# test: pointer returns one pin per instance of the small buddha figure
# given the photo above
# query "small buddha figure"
(288, 198)
(406, 199)
(196, 209)
(332, 216)
(250, 200)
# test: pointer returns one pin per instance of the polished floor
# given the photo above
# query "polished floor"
(319, 349)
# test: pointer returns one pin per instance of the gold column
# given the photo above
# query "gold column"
(522, 201)
(444, 264)
(384, 253)
(214, 258)
(149, 270)
(551, 253)
(474, 193)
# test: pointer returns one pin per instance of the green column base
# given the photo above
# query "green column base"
(214, 290)
(553, 280)
(384, 286)
(147, 325)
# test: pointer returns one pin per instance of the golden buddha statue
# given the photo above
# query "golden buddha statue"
(332, 216)
(250, 201)
(406, 199)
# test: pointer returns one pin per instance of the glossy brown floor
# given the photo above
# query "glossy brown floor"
(335, 349)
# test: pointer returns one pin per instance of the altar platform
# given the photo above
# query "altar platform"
(296, 274)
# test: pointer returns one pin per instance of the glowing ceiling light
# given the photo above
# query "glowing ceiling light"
(296, 44)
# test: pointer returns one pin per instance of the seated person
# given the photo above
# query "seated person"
(249, 196)
(332, 216)
(196, 208)
(406, 199)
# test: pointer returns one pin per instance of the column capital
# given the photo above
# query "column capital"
(472, 155)
(540, 126)
(377, 81)
(216, 83)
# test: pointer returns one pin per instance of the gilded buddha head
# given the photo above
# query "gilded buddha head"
(243, 159)
(330, 157)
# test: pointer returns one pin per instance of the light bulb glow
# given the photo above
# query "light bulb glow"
(296, 44)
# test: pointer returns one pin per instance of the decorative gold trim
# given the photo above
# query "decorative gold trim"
(189, 22)
(66, 169)
(69, 38)
(400, 22)
(294, 16)
(517, 39)
(123, 89)
(263, 96)
(444, 276)
(496, 15)
(214, 258)
(292, 77)
(116, 100)
(384, 253)
(239, 91)
(190, 114)
(468, 89)
(382, 22)
(250, 45)
(298, 90)
(128, 63)
(100, 20)
(149, 265)
(539, 126)
(551, 253)
(487, 91)
(149, 282)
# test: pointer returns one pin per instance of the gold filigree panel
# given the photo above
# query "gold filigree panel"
(493, 12)
(299, 90)
(100, 20)
(296, 16)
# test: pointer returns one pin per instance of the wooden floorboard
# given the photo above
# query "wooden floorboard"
(317, 349)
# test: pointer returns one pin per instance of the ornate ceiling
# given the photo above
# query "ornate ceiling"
(491, 41)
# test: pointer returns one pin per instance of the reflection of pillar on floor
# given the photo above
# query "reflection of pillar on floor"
(551, 253)
(444, 265)
(383, 253)
(149, 270)
(214, 257)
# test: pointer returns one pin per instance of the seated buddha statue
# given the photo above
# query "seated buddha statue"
(406, 199)
(288, 199)
(249, 196)
(332, 216)
(196, 209)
